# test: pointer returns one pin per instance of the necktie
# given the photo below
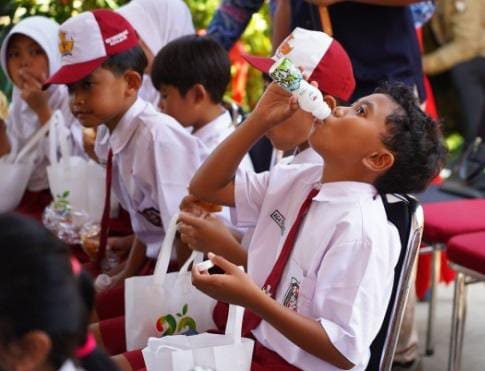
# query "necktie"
(103, 236)
(251, 321)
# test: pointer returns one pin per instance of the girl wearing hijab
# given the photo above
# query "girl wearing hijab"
(29, 55)
(157, 22)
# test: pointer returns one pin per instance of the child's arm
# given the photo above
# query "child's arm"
(209, 234)
(236, 287)
(4, 142)
(214, 180)
(36, 98)
(133, 263)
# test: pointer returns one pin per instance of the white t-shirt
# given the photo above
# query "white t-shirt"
(213, 133)
(154, 159)
(341, 269)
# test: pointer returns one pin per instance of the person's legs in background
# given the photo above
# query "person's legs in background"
(469, 81)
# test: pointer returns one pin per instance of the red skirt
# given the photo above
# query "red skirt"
(33, 204)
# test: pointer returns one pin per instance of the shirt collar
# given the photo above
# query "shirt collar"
(125, 128)
(349, 190)
(221, 122)
(307, 156)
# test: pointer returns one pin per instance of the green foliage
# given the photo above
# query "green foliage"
(255, 39)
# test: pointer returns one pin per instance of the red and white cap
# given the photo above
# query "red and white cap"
(321, 57)
(89, 39)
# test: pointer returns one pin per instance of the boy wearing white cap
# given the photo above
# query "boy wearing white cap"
(103, 64)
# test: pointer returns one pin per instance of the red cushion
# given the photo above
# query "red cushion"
(468, 250)
(443, 220)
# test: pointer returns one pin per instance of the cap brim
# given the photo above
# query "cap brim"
(261, 63)
(71, 73)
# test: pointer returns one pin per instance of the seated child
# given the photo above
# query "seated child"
(157, 22)
(327, 282)
(291, 135)
(192, 73)
(103, 66)
(44, 308)
(28, 56)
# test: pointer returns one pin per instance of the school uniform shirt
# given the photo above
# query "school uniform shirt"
(154, 160)
(341, 269)
(213, 133)
(307, 156)
(22, 122)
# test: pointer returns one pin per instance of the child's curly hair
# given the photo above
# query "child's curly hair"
(416, 141)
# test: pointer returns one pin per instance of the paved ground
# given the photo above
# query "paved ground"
(474, 344)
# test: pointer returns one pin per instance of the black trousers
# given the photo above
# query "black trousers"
(469, 81)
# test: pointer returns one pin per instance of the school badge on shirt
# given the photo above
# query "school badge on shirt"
(153, 216)
(279, 219)
(291, 296)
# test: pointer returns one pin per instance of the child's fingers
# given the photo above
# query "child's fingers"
(224, 264)
(189, 219)
(188, 202)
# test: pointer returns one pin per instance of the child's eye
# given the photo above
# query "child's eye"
(12, 54)
(38, 51)
(360, 110)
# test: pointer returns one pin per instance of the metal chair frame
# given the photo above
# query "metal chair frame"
(464, 277)
(382, 353)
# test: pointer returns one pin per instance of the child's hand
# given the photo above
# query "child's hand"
(198, 207)
(275, 106)
(205, 233)
(120, 246)
(34, 96)
(234, 287)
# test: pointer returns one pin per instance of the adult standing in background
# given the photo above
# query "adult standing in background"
(378, 35)
(459, 29)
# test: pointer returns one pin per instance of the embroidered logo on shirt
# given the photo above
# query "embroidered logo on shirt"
(291, 296)
(152, 215)
(279, 219)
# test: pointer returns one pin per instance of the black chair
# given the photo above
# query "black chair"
(406, 214)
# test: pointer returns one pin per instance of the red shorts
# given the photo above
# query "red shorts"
(113, 334)
(111, 303)
(34, 203)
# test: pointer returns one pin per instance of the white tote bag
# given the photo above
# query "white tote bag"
(227, 352)
(16, 174)
(165, 303)
(83, 180)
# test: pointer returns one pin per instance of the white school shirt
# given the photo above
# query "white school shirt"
(341, 269)
(307, 156)
(154, 160)
(213, 133)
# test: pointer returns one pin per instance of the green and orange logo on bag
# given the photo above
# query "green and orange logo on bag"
(170, 324)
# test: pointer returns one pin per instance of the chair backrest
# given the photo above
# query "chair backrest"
(406, 214)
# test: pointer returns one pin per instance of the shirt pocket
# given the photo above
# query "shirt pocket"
(305, 300)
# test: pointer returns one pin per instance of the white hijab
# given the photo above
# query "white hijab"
(22, 122)
(157, 22)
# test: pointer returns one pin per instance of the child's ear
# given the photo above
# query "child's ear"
(133, 80)
(198, 92)
(380, 161)
(34, 349)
